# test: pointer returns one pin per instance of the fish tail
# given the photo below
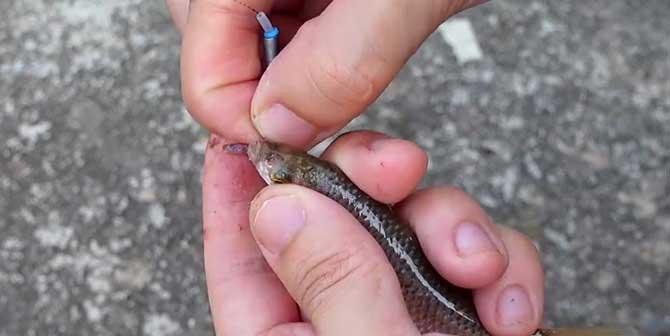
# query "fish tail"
(586, 332)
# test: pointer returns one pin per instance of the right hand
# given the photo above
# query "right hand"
(339, 56)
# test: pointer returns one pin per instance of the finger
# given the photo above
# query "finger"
(457, 236)
(331, 266)
(473, 3)
(385, 168)
(513, 305)
(220, 65)
(287, 6)
(338, 63)
(288, 26)
(239, 282)
(291, 329)
(313, 8)
(179, 12)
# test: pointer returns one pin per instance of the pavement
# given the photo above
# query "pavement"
(555, 115)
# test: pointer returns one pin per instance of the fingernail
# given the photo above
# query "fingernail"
(282, 125)
(277, 222)
(514, 306)
(379, 142)
(472, 239)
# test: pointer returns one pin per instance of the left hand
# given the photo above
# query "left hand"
(251, 297)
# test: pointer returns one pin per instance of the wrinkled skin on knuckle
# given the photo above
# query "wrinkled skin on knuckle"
(320, 277)
(227, 7)
(253, 266)
(342, 83)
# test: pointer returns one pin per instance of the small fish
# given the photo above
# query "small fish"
(434, 304)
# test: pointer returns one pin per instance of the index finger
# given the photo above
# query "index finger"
(220, 64)
(246, 298)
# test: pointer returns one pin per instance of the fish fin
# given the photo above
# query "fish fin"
(586, 332)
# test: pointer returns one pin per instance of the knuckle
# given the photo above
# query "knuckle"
(192, 97)
(221, 7)
(244, 268)
(339, 83)
(342, 84)
(320, 277)
(194, 101)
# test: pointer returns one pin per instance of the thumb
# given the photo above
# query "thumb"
(329, 264)
(338, 63)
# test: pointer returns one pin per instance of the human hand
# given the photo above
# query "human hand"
(325, 275)
(338, 58)
(338, 75)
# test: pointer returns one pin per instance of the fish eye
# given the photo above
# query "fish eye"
(280, 176)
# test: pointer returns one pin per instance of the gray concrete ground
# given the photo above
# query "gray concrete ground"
(561, 129)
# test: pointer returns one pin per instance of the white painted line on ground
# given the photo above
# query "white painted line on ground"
(458, 33)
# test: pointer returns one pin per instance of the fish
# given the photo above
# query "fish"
(434, 304)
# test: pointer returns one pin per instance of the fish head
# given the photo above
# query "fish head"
(276, 163)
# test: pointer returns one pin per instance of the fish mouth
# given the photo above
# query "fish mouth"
(237, 148)
(256, 151)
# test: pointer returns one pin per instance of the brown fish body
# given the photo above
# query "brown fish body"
(434, 304)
